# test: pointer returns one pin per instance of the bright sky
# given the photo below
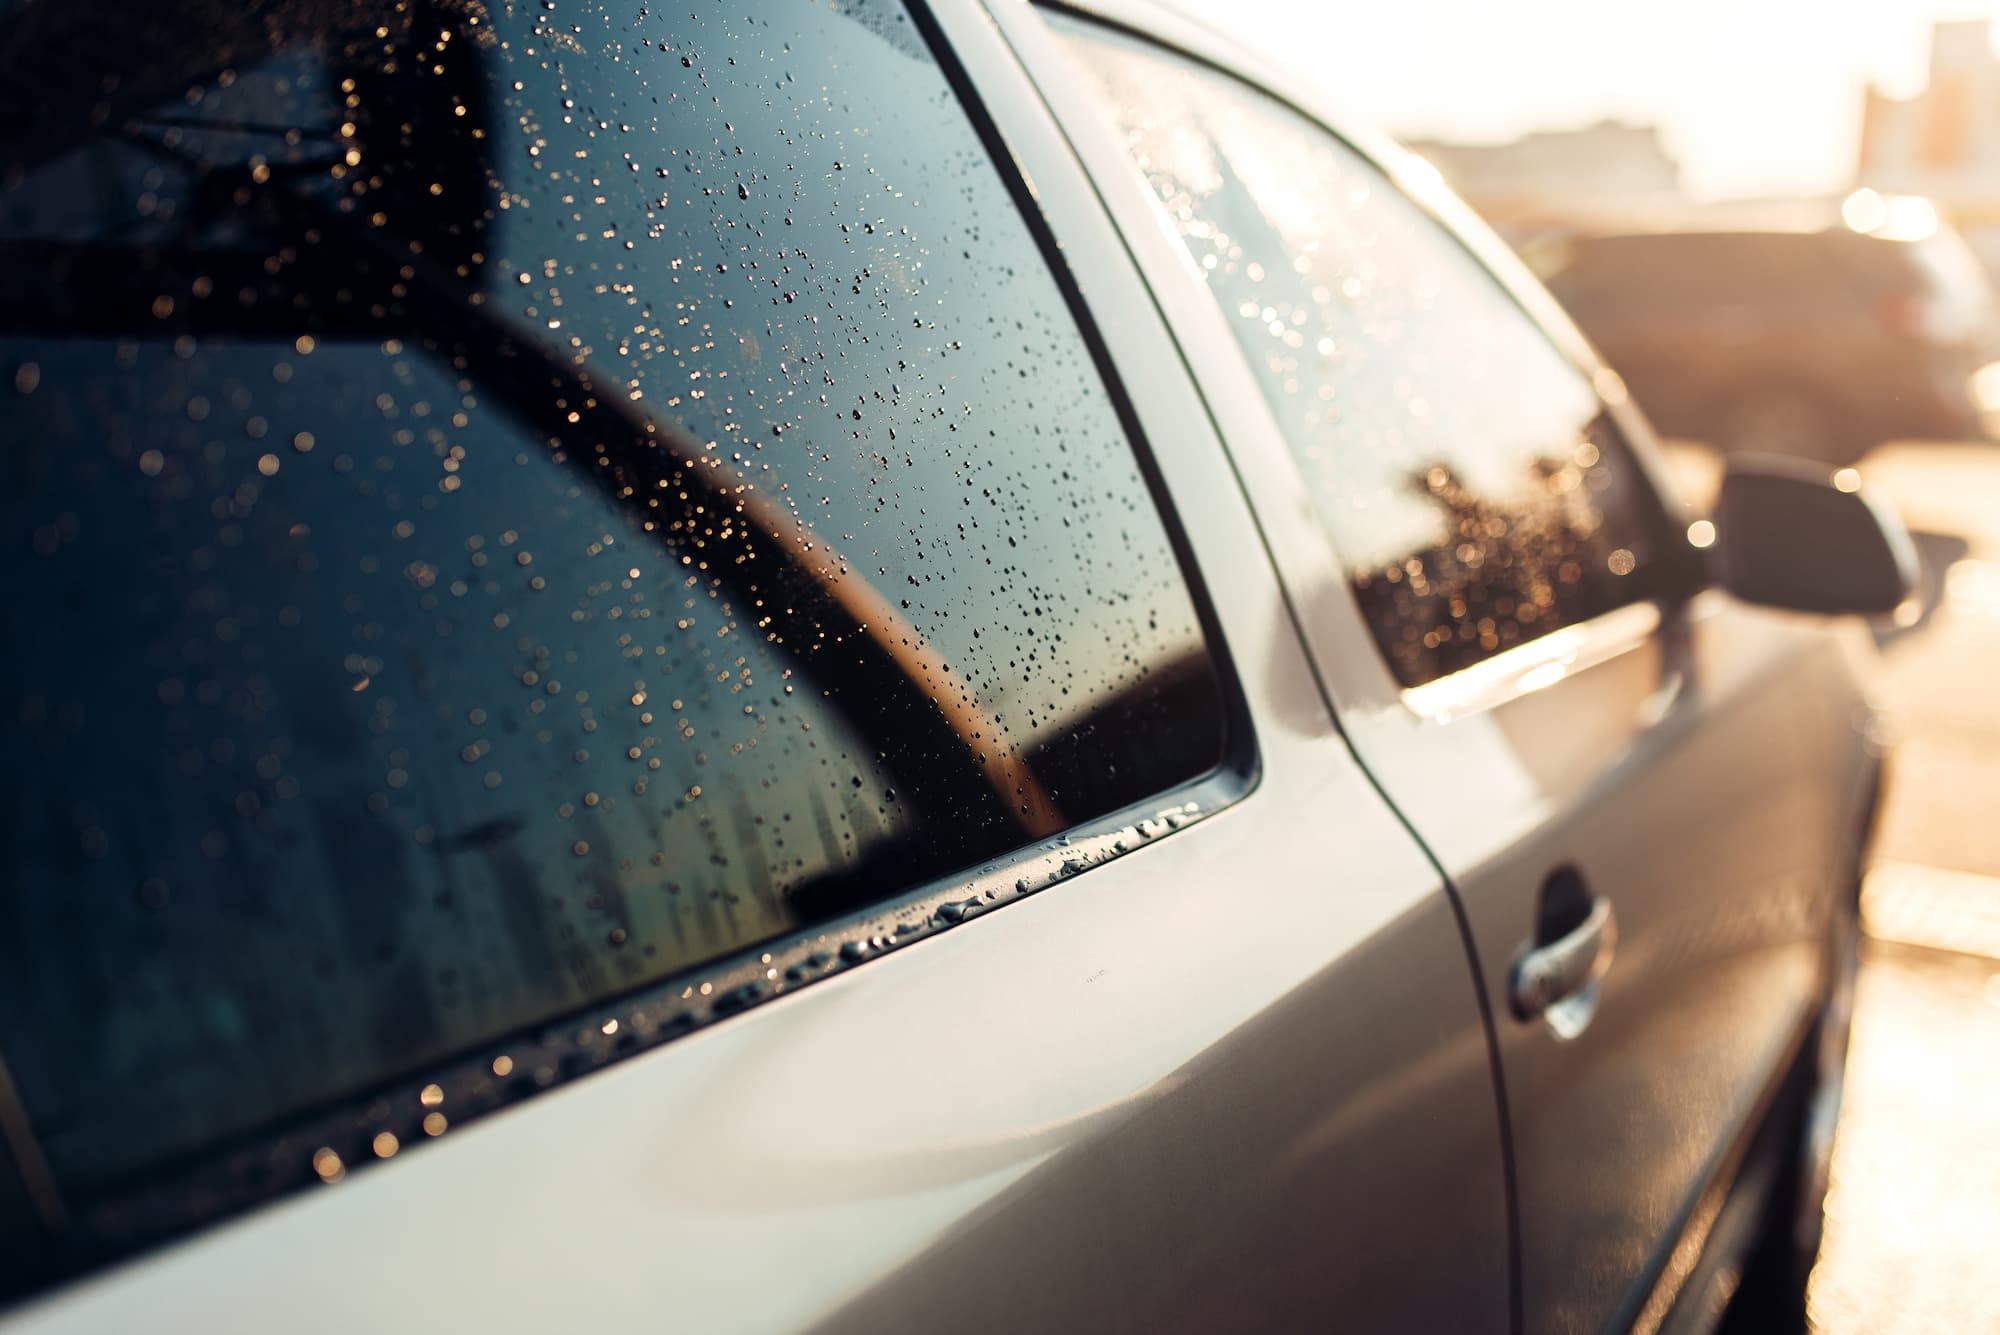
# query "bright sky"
(1754, 96)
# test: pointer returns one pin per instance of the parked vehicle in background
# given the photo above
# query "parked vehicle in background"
(777, 664)
(1818, 343)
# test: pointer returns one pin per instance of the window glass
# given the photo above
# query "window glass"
(1460, 465)
(507, 503)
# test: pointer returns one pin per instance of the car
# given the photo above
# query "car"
(1815, 341)
(775, 665)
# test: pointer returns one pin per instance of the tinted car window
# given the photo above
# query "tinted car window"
(1461, 466)
(506, 504)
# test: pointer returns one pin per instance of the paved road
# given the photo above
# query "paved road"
(1913, 1241)
(1941, 681)
(1913, 1220)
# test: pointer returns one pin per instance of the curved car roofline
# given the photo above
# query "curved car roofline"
(1166, 25)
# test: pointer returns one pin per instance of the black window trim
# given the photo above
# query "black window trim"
(256, 1167)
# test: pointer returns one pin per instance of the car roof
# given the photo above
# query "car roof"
(1269, 69)
(1839, 244)
(1707, 236)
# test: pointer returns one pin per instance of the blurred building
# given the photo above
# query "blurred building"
(1944, 142)
(1609, 166)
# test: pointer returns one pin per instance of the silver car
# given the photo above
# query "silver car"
(817, 664)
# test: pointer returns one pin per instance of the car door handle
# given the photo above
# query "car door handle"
(1544, 975)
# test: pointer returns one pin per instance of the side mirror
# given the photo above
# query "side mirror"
(1792, 534)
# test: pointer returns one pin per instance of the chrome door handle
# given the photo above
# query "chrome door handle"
(1546, 975)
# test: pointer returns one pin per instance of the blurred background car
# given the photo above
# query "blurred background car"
(1816, 343)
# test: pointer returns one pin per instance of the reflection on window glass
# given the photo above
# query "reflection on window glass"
(509, 502)
(1458, 462)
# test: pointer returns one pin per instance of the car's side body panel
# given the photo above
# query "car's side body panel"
(1238, 1076)
(1698, 764)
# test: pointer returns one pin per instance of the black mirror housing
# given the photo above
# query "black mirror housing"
(1794, 534)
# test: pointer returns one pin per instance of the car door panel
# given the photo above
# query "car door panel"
(1677, 773)
(1705, 842)
(1702, 777)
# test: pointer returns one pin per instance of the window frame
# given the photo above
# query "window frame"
(1304, 565)
(175, 1200)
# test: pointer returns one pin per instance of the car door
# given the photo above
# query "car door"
(682, 725)
(1635, 795)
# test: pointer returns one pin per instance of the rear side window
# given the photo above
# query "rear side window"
(1461, 466)
(506, 505)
